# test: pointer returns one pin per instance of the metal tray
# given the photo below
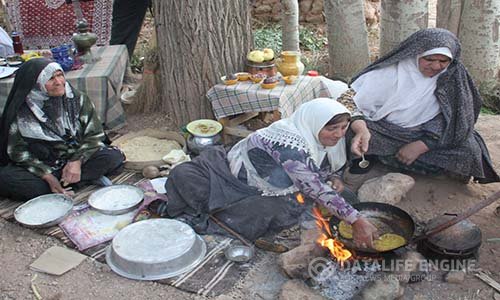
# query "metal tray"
(116, 199)
(44, 211)
(155, 249)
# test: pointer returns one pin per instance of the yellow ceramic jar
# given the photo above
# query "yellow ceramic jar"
(289, 63)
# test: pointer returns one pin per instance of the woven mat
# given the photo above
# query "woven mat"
(215, 275)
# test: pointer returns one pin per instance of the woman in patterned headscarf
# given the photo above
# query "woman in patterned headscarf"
(253, 190)
(50, 135)
(421, 105)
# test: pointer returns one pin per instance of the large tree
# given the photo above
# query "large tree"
(198, 42)
(399, 19)
(448, 14)
(347, 37)
(479, 34)
(290, 25)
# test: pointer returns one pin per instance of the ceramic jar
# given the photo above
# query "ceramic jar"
(289, 63)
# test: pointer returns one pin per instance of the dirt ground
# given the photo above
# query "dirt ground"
(430, 197)
(19, 247)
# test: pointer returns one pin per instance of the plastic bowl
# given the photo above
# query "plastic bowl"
(269, 85)
(290, 79)
(229, 81)
(257, 78)
(243, 76)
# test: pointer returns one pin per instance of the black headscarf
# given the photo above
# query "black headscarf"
(456, 92)
(26, 78)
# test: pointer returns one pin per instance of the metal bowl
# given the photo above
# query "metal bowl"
(116, 199)
(239, 253)
(155, 249)
(44, 211)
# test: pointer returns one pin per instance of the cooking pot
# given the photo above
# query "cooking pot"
(203, 133)
(387, 218)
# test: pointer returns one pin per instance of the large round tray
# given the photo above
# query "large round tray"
(155, 249)
(44, 211)
(116, 199)
(159, 134)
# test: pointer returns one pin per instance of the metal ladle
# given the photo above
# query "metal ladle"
(363, 164)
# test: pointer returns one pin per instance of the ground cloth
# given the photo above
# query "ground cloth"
(213, 276)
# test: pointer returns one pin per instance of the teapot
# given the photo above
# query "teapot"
(289, 63)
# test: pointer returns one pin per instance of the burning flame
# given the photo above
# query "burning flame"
(300, 198)
(327, 240)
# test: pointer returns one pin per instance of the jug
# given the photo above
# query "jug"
(289, 63)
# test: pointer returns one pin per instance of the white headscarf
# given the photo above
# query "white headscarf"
(299, 131)
(400, 92)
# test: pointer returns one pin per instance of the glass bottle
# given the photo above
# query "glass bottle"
(16, 43)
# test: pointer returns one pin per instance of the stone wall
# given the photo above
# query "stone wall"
(310, 11)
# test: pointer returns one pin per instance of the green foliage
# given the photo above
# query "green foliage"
(270, 37)
(311, 40)
(487, 111)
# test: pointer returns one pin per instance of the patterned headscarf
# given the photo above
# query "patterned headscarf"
(456, 93)
(299, 131)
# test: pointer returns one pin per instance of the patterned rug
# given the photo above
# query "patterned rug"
(43, 24)
(215, 275)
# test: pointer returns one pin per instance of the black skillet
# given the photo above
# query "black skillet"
(387, 218)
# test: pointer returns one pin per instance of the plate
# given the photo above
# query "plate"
(155, 249)
(14, 63)
(204, 127)
(7, 71)
(116, 199)
(159, 184)
(44, 211)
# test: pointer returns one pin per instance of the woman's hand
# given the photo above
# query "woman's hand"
(361, 139)
(55, 185)
(363, 233)
(71, 173)
(337, 184)
(410, 152)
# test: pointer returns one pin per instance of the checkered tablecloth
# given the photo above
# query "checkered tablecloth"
(245, 96)
(101, 81)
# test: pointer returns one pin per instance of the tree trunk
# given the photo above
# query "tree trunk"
(199, 41)
(399, 19)
(480, 38)
(448, 14)
(290, 25)
(347, 38)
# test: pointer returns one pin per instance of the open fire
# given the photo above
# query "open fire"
(328, 240)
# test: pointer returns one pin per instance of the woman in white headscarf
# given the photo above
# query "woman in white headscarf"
(297, 154)
(420, 105)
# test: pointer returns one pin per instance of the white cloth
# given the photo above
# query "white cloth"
(335, 87)
(299, 131)
(400, 93)
(6, 46)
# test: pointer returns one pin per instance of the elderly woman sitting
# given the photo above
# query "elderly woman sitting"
(50, 133)
(420, 105)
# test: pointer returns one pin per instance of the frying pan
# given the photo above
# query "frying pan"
(387, 218)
